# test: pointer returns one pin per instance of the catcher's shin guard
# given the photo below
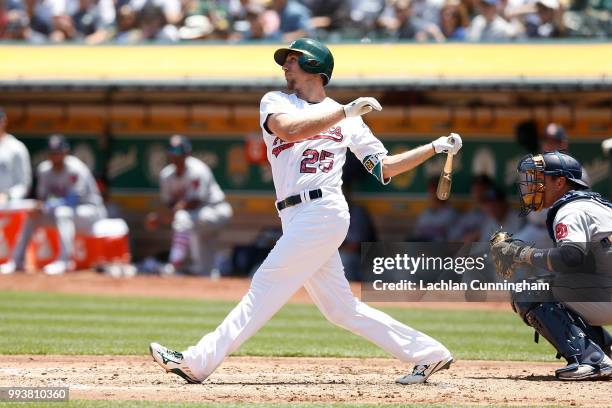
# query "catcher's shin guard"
(562, 329)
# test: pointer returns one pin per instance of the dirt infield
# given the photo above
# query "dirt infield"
(257, 379)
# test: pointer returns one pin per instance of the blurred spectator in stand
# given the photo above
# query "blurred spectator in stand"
(93, 20)
(15, 170)
(453, 24)
(47, 19)
(397, 21)
(363, 19)
(329, 18)
(435, 222)
(426, 13)
(196, 27)
(294, 19)
(18, 28)
(152, 26)
(231, 10)
(547, 22)
(468, 227)
(489, 25)
(6, 7)
(263, 24)
(361, 229)
(589, 19)
(126, 31)
(471, 8)
(172, 10)
(554, 138)
(219, 15)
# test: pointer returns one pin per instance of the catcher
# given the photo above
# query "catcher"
(580, 224)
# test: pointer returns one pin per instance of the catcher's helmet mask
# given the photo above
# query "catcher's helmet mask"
(533, 168)
(315, 57)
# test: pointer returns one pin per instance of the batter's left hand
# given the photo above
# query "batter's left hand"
(448, 144)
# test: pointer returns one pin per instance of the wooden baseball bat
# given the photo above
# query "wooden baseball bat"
(446, 179)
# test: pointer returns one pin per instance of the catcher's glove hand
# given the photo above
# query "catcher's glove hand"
(507, 253)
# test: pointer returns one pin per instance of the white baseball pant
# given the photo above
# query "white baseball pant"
(307, 255)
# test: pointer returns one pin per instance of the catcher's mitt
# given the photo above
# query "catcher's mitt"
(507, 253)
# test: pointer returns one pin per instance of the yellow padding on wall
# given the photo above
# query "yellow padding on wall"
(352, 61)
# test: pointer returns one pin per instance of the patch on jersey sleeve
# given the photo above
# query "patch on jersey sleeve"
(561, 231)
(373, 164)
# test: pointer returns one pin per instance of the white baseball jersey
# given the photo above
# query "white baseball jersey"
(15, 168)
(74, 180)
(317, 161)
(583, 222)
(197, 183)
(307, 252)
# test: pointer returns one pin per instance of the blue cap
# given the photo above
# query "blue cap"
(555, 132)
(179, 145)
(57, 143)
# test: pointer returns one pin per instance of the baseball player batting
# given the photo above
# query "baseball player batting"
(580, 223)
(307, 134)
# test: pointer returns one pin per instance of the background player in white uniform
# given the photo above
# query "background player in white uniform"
(307, 134)
(195, 206)
(580, 224)
(69, 199)
(15, 167)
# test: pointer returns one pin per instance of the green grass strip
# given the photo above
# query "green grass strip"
(44, 323)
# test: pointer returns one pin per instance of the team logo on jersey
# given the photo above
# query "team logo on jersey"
(278, 149)
(561, 231)
(333, 133)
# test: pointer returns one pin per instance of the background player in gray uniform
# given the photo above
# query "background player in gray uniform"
(194, 204)
(307, 135)
(69, 199)
(580, 223)
(15, 167)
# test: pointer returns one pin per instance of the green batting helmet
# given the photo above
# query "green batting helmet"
(316, 58)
